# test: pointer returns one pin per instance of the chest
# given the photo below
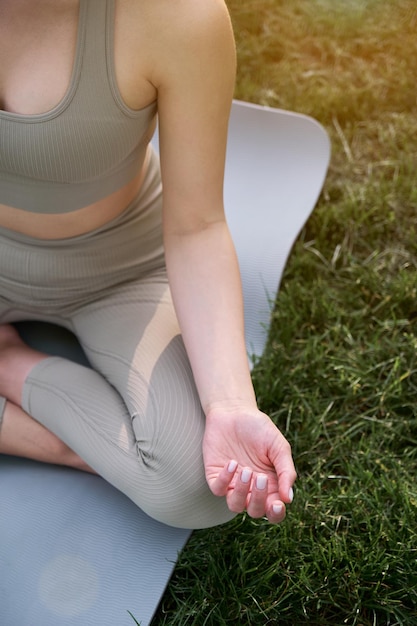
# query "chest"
(69, 129)
(37, 49)
(38, 45)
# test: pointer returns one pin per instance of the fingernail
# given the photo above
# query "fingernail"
(246, 475)
(232, 466)
(291, 495)
(261, 481)
(277, 508)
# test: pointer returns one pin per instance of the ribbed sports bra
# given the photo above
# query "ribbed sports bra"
(88, 146)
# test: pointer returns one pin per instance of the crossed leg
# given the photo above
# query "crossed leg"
(135, 418)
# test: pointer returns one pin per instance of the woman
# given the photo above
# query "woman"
(88, 241)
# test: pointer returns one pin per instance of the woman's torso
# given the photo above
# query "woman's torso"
(38, 44)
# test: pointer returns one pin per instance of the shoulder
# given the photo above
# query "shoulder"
(170, 27)
(177, 15)
(193, 35)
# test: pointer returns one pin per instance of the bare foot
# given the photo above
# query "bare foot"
(16, 361)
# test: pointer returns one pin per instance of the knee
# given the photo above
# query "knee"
(200, 517)
(171, 492)
(189, 504)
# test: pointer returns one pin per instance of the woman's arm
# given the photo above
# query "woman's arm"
(195, 76)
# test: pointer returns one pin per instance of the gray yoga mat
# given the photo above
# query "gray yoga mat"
(75, 552)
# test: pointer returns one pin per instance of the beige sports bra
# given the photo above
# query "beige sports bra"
(88, 146)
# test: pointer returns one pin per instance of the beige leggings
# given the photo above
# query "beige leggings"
(134, 416)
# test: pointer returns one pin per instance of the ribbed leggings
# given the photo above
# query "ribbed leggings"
(134, 416)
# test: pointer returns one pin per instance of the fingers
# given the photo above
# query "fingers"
(261, 504)
(242, 489)
(220, 485)
(238, 497)
(256, 506)
(285, 471)
(246, 490)
(276, 512)
(286, 480)
(250, 493)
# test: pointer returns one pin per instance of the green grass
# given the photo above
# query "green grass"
(339, 375)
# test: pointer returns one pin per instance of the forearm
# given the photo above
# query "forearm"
(205, 284)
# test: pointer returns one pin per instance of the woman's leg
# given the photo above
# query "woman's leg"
(20, 434)
(136, 418)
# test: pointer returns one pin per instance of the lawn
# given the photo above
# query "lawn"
(339, 375)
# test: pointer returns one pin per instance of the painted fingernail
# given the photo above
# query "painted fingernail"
(277, 508)
(291, 495)
(261, 481)
(246, 475)
(232, 466)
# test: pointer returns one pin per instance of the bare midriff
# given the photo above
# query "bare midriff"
(74, 223)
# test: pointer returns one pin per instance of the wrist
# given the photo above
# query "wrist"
(231, 409)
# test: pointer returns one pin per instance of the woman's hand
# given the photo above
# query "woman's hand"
(249, 461)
